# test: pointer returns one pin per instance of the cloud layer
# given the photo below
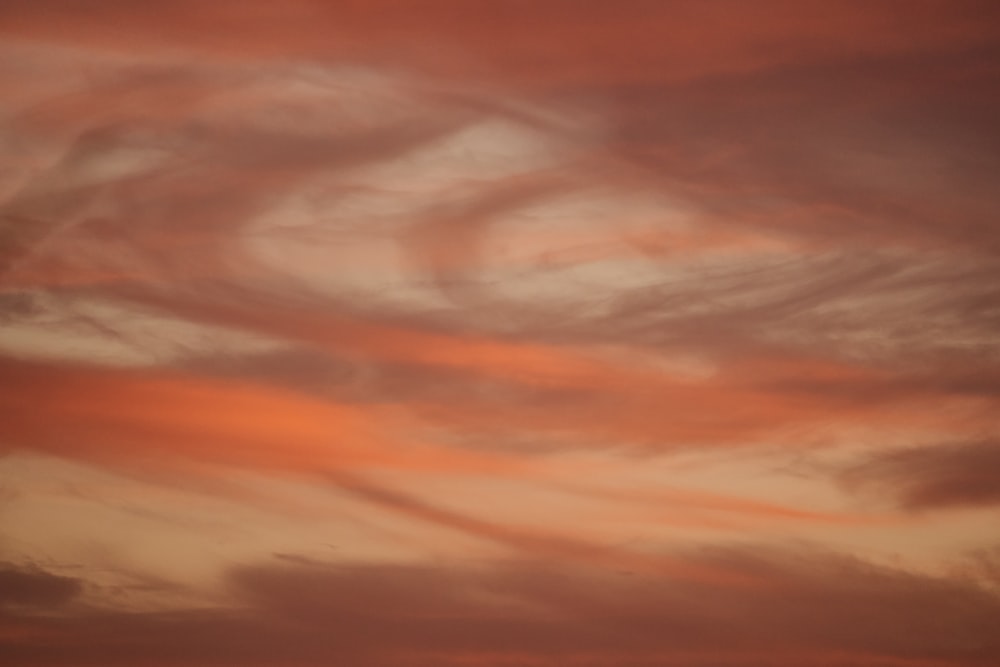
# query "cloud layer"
(525, 333)
(804, 607)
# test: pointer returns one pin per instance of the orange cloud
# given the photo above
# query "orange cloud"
(149, 418)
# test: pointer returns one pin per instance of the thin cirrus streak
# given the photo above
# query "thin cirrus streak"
(409, 333)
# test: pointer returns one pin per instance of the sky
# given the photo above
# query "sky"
(500, 333)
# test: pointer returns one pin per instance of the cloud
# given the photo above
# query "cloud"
(530, 543)
(176, 421)
(325, 241)
(941, 476)
(815, 608)
(32, 587)
(170, 170)
(554, 42)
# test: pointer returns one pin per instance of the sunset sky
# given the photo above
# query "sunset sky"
(500, 333)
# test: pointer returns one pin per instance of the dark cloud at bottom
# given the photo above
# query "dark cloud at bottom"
(32, 587)
(806, 608)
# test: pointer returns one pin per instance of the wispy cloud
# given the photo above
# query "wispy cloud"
(594, 288)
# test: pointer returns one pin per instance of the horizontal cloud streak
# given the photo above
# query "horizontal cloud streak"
(136, 418)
